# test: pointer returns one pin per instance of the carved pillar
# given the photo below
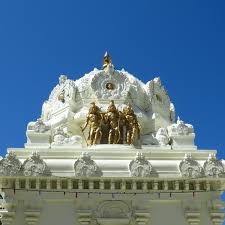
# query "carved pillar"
(7, 217)
(193, 218)
(142, 218)
(32, 217)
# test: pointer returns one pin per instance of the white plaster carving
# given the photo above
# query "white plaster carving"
(182, 135)
(190, 167)
(113, 209)
(63, 137)
(62, 95)
(10, 165)
(180, 128)
(213, 167)
(161, 105)
(86, 167)
(162, 136)
(35, 166)
(112, 85)
(39, 126)
(140, 167)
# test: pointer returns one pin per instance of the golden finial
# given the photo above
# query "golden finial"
(107, 60)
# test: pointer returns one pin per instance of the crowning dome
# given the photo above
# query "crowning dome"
(108, 149)
(69, 101)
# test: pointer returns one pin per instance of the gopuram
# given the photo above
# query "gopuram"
(110, 150)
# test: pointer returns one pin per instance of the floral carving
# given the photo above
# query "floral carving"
(86, 167)
(190, 167)
(140, 167)
(39, 126)
(213, 167)
(10, 165)
(35, 166)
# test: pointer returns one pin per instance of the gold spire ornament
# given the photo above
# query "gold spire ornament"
(106, 60)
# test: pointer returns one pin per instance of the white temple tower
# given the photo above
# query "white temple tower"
(155, 176)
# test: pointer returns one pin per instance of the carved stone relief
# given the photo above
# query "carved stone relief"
(113, 85)
(63, 137)
(190, 167)
(213, 167)
(35, 166)
(10, 165)
(86, 167)
(113, 209)
(180, 128)
(140, 167)
(39, 126)
(162, 136)
(63, 93)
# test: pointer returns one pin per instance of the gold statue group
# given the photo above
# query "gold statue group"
(117, 126)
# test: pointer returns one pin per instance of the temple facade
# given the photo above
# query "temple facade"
(109, 150)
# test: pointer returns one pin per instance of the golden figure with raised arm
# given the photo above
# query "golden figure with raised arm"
(94, 120)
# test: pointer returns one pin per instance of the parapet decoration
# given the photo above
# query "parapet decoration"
(182, 134)
(39, 126)
(86, 167)
(62, 137)
(35, 166)
(180, 128)
(10, 165)
(140, 167)
(214, 167)
(190, 167)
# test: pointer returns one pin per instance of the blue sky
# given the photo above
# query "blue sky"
(183, 42)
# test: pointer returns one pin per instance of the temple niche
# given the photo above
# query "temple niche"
(65, 112)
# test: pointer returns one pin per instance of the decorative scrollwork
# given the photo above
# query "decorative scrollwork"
(190, 167)
(213, 167)
(86, 167)
(35, 166)
(140, 167)
(10, 165)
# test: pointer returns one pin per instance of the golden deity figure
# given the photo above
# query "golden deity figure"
(132, 125)
(94, 120)
(112, 119)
